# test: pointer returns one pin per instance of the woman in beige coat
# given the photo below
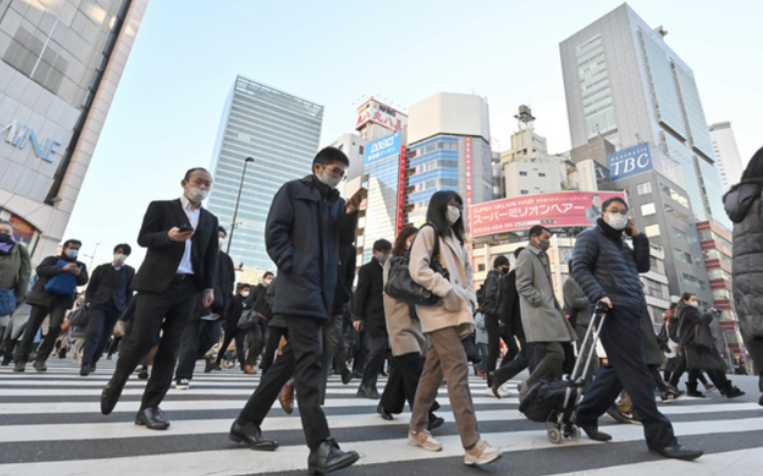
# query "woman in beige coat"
(446, 323)
(408, 346)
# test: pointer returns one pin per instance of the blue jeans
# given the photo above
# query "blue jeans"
(484, 352)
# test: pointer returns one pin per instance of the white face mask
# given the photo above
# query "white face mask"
(328, 179)
(267, 282)
(694, 303)
(196, 195)
(120, 258)
(245, 293)
(453, 214)
(617, 221)
(221, 241)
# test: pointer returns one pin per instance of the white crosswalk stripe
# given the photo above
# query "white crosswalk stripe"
(50, 424)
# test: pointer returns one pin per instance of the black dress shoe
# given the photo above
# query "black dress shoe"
(251, 435)
(40, 366)
(346, 377)
(328, 457)
(678, 452)
(593, 433)
(143, 374)
(384, 413)
(152, 418)
(434, 422)
(211, 365)
(19, 366)
(109, 398)
(366, 392)
(85, 370)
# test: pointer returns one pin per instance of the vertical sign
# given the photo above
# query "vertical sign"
(401, 188)
(468, 150)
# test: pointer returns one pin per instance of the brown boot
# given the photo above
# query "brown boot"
(248, 369)
(286, 398)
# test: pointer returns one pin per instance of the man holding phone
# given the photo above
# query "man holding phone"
(181, 263)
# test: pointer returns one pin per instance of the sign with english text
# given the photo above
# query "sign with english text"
(382, 148)
(643, 158)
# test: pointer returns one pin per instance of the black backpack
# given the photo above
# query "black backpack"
(673, 329)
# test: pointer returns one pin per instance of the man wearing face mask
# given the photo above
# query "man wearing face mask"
(607, 269)
(54, 299)
(542, 317)
(108, 295)
(181, 263)
(496, 329)
(307, 225)
(369, 312)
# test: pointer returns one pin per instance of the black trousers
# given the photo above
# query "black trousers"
(377, 354)
(755, 348)
(404, 374)
(331, 330)
(167, 313)
(274, 338)
(529, 355)
(257, 336)
(627, 369)
(114, 345)
(100, 327)
(680, 369)
(361, 351)
(301, 358)
(199, 336)
(57, 313)
(232, 332)
(496, 333)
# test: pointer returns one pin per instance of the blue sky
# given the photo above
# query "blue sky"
(165, 115)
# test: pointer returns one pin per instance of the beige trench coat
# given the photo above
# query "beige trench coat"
(457, 308)
(405, 334)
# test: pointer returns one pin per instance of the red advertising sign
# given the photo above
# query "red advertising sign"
(468, 150)
(378, 113)
(401, 188)
(547, 209)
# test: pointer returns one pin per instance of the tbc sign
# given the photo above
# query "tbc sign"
(630, 161)
(21, 136)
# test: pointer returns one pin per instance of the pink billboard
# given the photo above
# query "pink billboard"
(547, 209)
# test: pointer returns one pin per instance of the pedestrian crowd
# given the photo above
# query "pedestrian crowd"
(411, 314)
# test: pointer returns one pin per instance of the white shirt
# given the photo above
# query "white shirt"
(186, 265)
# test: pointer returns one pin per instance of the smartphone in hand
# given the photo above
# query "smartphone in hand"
(185, 228)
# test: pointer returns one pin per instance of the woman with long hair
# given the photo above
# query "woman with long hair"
(446, 323)
(408, 346)
(744, 206)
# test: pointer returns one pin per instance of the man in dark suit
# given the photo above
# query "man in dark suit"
(181, 263)
(51, 301)
(369, 312)
(206, 324)
(108, 295)
(307, 225)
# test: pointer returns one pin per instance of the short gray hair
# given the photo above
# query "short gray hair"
(6, 222)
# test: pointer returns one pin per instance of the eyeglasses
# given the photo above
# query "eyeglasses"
(336, 171)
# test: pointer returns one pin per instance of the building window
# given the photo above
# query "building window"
(481, 267)
(683, 256)
(541, 174)
(361, 149)
(652, 230)
(644, 188)
(655, 289)
(721, 294)
(648, 209)
(523, 174)
(524, 192)
(693, 280)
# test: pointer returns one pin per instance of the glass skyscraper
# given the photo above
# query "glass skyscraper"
(281, 133)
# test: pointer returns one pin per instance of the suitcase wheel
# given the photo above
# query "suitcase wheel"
(554, 435)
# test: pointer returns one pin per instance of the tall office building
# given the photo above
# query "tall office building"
(281, 133)
(624, 83)
(729, 162)
(61, 64)
(449, 142)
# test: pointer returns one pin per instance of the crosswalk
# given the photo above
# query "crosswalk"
(50, 423)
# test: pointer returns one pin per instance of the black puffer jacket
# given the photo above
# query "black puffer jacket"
(745, 208)
(605, 266)
(306, 227)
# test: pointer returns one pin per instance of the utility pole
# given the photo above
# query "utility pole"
(238, 200)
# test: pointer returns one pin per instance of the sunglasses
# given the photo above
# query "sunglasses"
(336, 171)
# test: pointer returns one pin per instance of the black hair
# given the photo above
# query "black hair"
(382, 245)
(537, 230)
(267, 273)
(518, 251)
(754, 169)
(436, 214)
(500, 261)
(612, 200)
(71, 242)
(126, 249)
(329, 155)
(191, 171)
(220, 228)
(686, 296)
(569, 265)
(400, 247)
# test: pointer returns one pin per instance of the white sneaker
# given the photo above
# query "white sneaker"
(424, 439)
(504, 391)
(481, 454)
(490, 393)
(182, 384)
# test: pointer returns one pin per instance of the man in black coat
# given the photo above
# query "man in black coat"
(108, 295)
(307, 225)
(238, 305)
(258, 334)
(205, 326)
(180, 264)
(497, 330)
(51, 301)
(369, 313)
(607, 270)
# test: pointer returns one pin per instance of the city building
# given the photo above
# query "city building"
(353, 146)
(623, 83)
(60, 69)
(449, 143)
(729, 162)
(281, 133)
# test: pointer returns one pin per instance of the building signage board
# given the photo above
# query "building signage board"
(21, 135)
(403, 166)
(643, 158)
(378, 113)
(468, 163)
(384, 147)
(563, 209)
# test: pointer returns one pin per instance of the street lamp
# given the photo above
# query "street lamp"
(238, 200)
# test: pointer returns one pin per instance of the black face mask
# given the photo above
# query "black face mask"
(505, 271)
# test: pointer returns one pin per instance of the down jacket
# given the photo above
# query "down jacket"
(744, 208)
(605, 266)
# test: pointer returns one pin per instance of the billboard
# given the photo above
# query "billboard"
(468, 153)
(378, 113)
(382, 148)
(402, 167)
(643, 158)
(547, 209)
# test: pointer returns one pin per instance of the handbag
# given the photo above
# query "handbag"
(401, 287)
(79, 318)
(62, 284)
(247, 320)
(8, 302)
(702, 337)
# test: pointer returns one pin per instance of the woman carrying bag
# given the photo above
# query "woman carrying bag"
(15, 270)
(446, 322)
